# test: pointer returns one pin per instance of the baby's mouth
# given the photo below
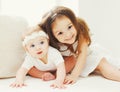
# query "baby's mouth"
(39, 52)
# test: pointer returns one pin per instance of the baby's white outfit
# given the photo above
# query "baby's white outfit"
(95, 54)
(54, 58)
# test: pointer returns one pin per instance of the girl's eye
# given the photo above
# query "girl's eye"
(60, 33)
(69, 27)
(32, 45)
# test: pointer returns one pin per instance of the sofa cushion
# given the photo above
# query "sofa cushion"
(11, 50)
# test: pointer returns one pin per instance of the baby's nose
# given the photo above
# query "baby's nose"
(38, 47)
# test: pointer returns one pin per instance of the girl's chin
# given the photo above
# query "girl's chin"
(69, 42)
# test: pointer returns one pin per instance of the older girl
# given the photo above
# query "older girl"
(71, 36)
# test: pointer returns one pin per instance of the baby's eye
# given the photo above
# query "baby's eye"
(32, 45)
(42, 42)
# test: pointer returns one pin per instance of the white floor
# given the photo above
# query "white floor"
(92, 83)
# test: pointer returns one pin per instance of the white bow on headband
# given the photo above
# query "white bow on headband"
(33, 36)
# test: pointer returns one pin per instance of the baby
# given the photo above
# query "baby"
(42, 56)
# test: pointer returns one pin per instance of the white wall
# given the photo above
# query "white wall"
(0, 6)
(72, 4)
(103, 18)
(33, 10)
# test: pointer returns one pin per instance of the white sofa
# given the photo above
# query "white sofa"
(11, 57)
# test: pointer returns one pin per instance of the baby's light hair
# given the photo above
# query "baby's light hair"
(32, 33)
(30, 30)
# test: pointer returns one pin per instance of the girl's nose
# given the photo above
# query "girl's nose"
(67, 34)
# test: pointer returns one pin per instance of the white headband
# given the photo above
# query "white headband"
(33, 36)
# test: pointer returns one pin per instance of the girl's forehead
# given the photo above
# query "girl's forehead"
(62, 17)
(61, 22)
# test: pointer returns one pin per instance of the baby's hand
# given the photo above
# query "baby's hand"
(17, 84)
(58, 84)
(48, 76)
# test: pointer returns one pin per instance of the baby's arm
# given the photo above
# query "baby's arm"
(60, 76)
(20, 76)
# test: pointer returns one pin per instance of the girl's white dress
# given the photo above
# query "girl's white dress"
(94, 56)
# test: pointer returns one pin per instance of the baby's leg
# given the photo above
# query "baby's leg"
(108, 70)
(48, 76)
(34, 72)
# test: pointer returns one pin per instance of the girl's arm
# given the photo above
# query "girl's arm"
(81, 60)
(60, 76)
(20, 76)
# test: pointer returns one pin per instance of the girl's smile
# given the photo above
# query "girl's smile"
(70, 38)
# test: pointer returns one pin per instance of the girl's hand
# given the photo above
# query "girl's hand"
(70, 79)
(17, 84)
(58, 84)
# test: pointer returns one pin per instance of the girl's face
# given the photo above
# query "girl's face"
(38, 47)
(64, 30)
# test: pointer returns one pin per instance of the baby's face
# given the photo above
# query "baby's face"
(38, 47)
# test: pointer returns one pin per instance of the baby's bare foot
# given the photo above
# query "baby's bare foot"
(48, 76)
